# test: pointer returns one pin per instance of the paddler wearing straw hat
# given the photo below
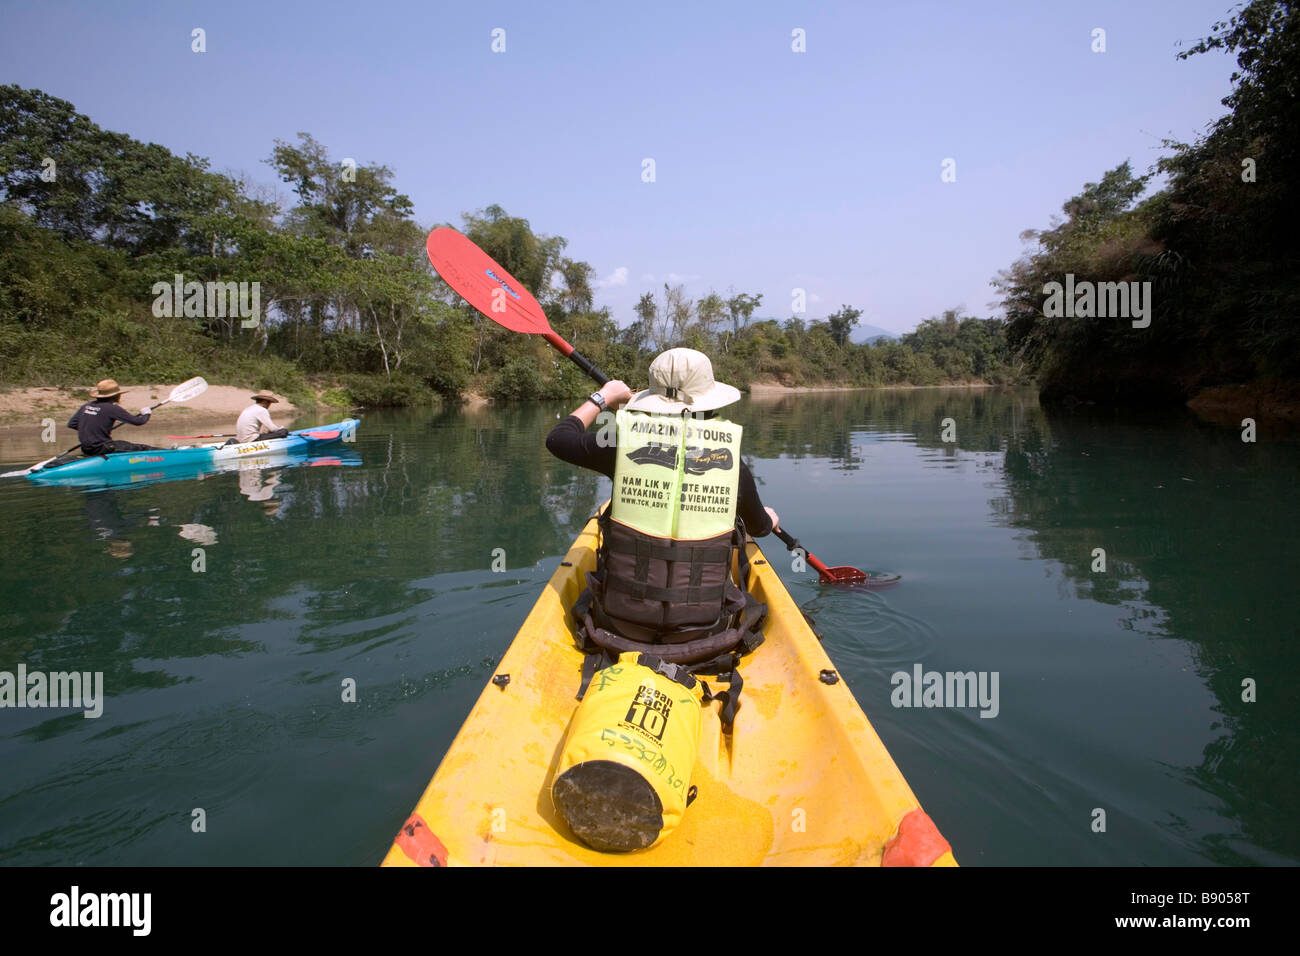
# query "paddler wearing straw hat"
(94, 421)
(663, 582)
(254, 422)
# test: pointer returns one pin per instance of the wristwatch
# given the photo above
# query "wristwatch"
(597, 399)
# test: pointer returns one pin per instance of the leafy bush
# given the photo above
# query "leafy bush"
(374, 391)
(336, 398)
(519, 380)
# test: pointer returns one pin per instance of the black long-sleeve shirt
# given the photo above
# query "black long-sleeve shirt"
(94, 421)
(570, 441)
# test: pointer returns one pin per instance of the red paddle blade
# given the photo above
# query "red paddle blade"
(483, 283)
(847, 575)
(842, 575)
(320, 435)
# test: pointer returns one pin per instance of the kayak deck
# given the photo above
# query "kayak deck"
(803, 780)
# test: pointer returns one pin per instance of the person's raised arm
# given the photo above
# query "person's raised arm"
(616, 395)
(119, 414)
(569, 440)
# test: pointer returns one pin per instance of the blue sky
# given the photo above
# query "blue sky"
(775, 170)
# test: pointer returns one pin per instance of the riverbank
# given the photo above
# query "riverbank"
(1263, 402)
(757, 389)
(21, 407)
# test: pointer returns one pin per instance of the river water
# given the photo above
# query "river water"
(1146, 714)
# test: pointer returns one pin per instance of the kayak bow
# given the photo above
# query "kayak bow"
(803, 780)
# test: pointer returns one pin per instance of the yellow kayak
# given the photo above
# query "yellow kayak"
(802, 780)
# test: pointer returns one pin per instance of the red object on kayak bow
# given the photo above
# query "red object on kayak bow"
(320, 436)
(485, 284)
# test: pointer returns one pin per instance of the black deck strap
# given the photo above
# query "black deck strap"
(727, 669)
(735, 684)
(592, 662)
(582, 606)
(588, 672)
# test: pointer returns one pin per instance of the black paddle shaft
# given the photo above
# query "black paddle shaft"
(589, 367)
(790, 541)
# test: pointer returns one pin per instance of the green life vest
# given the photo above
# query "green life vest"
(675, 476)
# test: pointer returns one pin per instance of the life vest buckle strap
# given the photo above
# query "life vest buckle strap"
(649, 592)
(679, 673)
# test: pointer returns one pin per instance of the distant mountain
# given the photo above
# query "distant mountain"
(871, 333)
(861, 333)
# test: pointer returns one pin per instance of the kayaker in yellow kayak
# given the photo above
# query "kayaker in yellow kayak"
(255, 423)
(95, 419)
(664, 581)
(663, 604)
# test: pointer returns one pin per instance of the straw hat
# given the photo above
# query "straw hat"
(106, 388)
(265, 396)
(682, 380)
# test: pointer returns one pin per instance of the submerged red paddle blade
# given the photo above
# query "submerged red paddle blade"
(871, 582)
(843, 575)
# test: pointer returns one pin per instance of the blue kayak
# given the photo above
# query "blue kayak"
(156, 463)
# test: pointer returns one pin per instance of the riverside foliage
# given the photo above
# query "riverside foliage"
(91, 220)
(1217, 244)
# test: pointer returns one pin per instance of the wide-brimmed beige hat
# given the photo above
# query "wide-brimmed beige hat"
(682, 380)
(264, 395)
(106, 388)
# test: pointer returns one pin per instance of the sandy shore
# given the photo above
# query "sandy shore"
(29, 405)
(23, 410)
(775, 388)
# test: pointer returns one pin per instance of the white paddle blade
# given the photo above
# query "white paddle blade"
(28, 471)
(188, 390)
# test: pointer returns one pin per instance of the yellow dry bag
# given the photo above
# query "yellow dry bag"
(625, 771)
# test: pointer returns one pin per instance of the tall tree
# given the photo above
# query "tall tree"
(841, 324)
(352, 206)
(741, 307)
(577, 277)
(710, 313)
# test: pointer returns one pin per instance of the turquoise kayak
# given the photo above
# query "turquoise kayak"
(331, 457)
(131, 466)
